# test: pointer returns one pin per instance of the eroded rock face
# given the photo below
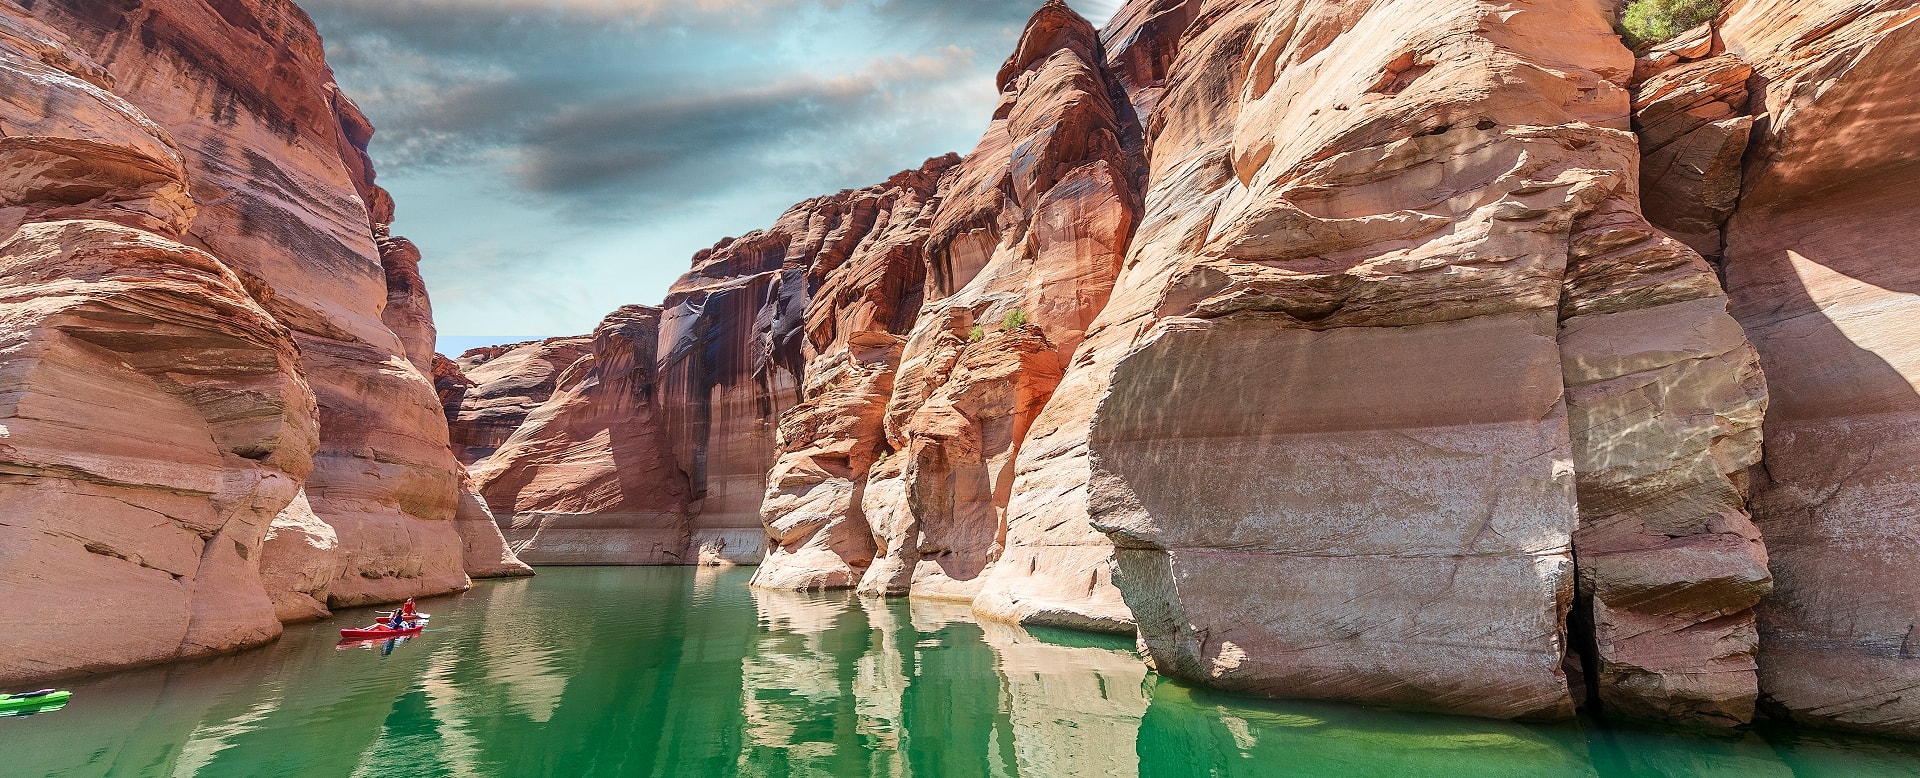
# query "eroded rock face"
(968, 406)
(897, 468)
(1056, 569)
(865, 289)
(152, 419)
(1025, 247)
(1349, 205)
(490, 391)
(1691, 113)
(409, 312)
(217, 410)
(1664, 398)
(276, 159)
(588, 479)
(483, 548)
(730, 364)
(1819, 264)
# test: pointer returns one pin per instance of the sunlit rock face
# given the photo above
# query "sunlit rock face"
(588, 478)
(1691, 111)
(1387, 258)
(865, 293)
(152, 419)
(216, 411)
(1819, 261)
(489, 392)
(1056, 569)
(483, 549)
(1026, 243)
(275, 158)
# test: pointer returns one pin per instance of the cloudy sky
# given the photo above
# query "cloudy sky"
(556, 159)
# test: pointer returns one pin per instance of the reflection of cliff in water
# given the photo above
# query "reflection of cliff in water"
(841, 685)
(668, 672)
(1075, 709)
(920, 689)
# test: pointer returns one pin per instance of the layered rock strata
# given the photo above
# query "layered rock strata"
(489, 392)
(1396, 251)
(1368, 351)
(216, 415)
(1819, 261)
(1690, 109)
(730, 364)
(589, 478)
(278, 163)
(1025, 247)
(1056, 568)
(865, 286)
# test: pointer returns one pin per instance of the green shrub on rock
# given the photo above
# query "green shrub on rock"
(1646, 23)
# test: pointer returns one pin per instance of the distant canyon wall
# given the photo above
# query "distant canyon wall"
(215, 410)
(1434, 353)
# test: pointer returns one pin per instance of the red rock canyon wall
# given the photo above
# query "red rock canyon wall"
(216, 408)
(1822, 265)
(1371, 351)
(588, 478)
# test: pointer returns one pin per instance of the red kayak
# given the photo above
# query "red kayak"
(379, 631)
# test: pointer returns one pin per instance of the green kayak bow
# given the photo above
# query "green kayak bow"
(34, 700)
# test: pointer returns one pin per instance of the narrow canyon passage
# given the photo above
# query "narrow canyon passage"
(1494, 358)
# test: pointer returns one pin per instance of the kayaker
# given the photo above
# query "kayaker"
(398, 621)
(407, 610)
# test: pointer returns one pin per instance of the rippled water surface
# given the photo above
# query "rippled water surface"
(681, 672)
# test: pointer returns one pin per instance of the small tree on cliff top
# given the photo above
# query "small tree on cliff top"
(1646, 23)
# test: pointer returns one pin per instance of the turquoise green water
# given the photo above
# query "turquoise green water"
(681, 672)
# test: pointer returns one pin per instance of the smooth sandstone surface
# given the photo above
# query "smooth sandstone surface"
(152, 423)
(1820, 266)
(489, 392)
(217, 411)
(588, 479)
(1380, 246)
(276, 161)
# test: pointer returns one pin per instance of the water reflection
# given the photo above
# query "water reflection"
(797, 685)
(206, 741)
(839, 685)
(624, 672)
(522, 659)
(1074, 710)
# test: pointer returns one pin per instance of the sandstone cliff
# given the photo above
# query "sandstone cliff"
(884, 352)
(216, 411)
(1393, 351)
(868, 290)
(489, 392)
(588, 478)
(1819, 260)
(1026, 246)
